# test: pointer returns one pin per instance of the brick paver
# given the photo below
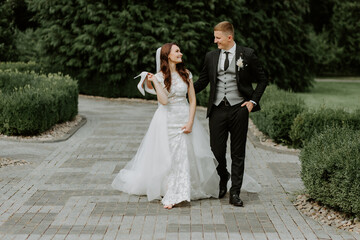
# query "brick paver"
(65, 192)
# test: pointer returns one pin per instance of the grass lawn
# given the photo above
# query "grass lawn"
(345, 95)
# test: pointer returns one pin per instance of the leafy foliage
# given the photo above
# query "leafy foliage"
(27, 45)
(327, 53)
(21, 66)
(32, 103)
(336, 39)
(105, 43)
(276, 30)
(320, 14)
(346, 29)
(7, 29)
(331, 168)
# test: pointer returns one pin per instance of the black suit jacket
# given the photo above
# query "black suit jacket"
(252, 71)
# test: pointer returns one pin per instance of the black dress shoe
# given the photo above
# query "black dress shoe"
(235, 200)
(223, 186)
(222, 192)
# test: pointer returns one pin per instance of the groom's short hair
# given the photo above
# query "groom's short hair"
(225, 27)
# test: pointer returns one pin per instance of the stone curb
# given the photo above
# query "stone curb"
(257, 143)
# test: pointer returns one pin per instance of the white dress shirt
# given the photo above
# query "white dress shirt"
(223, 56)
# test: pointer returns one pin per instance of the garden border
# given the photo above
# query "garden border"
(64, 137)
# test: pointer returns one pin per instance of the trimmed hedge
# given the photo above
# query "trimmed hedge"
(331, 168)
(308, 124)
(279, 109)
(31, 103)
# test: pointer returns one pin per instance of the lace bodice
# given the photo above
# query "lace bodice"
(178, 88)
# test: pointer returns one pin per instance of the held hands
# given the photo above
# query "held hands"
(187, 128)
(249, 105)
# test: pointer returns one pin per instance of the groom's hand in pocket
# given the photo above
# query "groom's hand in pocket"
(249, 105)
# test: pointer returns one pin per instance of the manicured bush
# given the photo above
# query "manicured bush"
(22, 66)
(307, 124)
(330, 171)
(279, 109)
(32, 103)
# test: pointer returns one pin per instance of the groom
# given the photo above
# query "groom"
(230, 69)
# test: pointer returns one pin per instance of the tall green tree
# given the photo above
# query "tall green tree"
(7, 30)
(280, 36)
(346, 32)
(105, 43)
(336, 37)
(320, 14)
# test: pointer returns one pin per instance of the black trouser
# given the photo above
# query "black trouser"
(225, 119)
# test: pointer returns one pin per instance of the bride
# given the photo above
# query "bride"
(174, 161)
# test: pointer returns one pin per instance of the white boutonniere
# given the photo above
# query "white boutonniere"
(240, 63)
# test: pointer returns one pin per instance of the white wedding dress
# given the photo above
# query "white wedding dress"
(169, 164)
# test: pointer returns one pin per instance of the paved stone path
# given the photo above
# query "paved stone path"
(65, 192)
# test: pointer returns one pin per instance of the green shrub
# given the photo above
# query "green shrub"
(331, 168)
(308, 124)
(22, 66)
(32, 103)
(279, 109)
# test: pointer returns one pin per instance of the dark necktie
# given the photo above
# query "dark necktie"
(226, 63)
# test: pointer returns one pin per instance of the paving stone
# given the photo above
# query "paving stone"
(65, 193)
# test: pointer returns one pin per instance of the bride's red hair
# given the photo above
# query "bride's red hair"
(165, 69)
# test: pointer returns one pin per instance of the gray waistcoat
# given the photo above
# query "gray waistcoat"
(226, 85)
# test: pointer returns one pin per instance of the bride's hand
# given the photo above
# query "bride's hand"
(187, 128)
(151, 77)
